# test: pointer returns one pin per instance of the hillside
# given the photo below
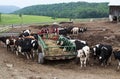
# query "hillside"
(68, 10)
(8, 9)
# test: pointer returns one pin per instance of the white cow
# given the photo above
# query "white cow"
(75, 30)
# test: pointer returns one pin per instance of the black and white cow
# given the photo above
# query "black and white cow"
(81, 48)
(82, 29)
(35, 46)
(3, 40)
(62, 31)
(78, 43)
(25, 33)
(25, 46)
(102, 52)
(8, 41)
(83, 55)
(96, 50)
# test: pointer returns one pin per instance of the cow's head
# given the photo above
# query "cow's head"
(81, 53)
(86, 49)
(104, 50)
(34, 44)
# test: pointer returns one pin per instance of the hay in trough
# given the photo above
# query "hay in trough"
(53, 49)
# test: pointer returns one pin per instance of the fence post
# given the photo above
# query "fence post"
(0, 17)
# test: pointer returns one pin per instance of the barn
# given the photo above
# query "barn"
(114, 11)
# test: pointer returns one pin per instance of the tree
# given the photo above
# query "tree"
(68, 10)
(20, 15)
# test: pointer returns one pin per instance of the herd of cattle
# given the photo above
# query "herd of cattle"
(27, 44)
(63, 30)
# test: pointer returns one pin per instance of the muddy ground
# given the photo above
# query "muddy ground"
(18, 67)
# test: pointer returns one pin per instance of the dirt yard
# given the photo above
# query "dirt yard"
(17, 67)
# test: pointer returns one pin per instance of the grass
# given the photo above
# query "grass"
(9, 19)
(27, 19)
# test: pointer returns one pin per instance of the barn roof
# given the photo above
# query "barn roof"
(114, 3)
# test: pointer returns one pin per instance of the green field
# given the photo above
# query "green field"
(9, 19)
(27, 19)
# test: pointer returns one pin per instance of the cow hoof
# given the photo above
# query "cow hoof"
(105, 66)
(17, 53)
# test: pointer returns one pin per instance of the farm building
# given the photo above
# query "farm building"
(114, 11)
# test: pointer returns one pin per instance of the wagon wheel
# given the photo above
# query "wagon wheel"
(40, 58)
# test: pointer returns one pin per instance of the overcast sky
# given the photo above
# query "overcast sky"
(24, 3)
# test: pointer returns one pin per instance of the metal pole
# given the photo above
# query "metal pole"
(0, 17)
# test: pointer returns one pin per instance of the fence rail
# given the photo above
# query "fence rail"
(4, 29)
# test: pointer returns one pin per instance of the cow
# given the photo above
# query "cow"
(78, 44)
(96, 50)
(83, 51)
(81, 47)
(83, 55)
(62, 31)
(35, 46)
(8, 41)
(25, 33)
(102, 52)
(25, 46)
(3, 39)
(75, 30)
(82, 29)
(117, 57)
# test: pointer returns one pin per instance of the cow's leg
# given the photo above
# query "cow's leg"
(35, 52)
(27, 55)
(106, 62)
(31, 55)
(118, 65)
(81, 62)
(7, 47)
(85, 62)
(19, 49)
(109, 60)
(87, 59)
(16, 53)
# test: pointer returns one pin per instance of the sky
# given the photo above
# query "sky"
(24, 3)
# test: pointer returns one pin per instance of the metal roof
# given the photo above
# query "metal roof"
(114, 3)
